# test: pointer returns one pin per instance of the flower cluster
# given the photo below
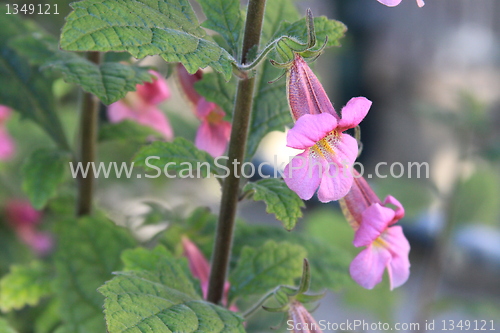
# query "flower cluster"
(326, 165)
(7, 147)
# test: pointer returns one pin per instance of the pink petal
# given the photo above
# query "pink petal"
(309, 129)
(154, 92)
(400, 211)
(399, 267)
(353, 113)
(120, 111)
(21, 213)
(7, 146)
(157, 120)
(375, 220)
(420, 3)
(40, 242)
(204, 108)
(5, 112)
(302, 174)
(305, 93)
(198, 264)
(390, 3)
(213, 137)
(368, 267)
(187, 81)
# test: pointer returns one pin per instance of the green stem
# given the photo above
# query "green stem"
(236, 154)
(88, 145)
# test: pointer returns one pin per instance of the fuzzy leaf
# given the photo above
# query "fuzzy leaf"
(280, 200)
(156, 295)
(109, 81)
(215, 89)
(42, 173)
(24, 285)
(183, 155)
(23, 87)
(224, 17)
(264, 268)
(168, 28)
(89, 251)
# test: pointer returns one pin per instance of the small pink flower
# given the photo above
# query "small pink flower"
(200, 268)
(300, 320)
(24, 220)
(392, 3)
(141, 106)
(386, 245)
(214, 132)
(7, 147)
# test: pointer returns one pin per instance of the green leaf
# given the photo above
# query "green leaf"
(224, 17)
(5, 327)
(186, 159)
(261, 269)
(284, 203)
(126, 130)
(215, 89)
(157, 296)
(24, 285)
(88, 252)
(109, 81)
(42, 173)
(168, 28)
(24, 87)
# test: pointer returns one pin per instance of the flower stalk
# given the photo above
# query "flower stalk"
(237, 148)
(88, 144)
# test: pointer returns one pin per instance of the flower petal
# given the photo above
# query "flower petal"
(187, 81)
(305, 93)
(154, 92)
(399, 247)
(390, 3)
(7, 146)
(368, 267)
(400, 211)
(5, 112)
(213, 137)
(120, 111)
(420, 3)
(157, 120)
(198, 264)
(204, 108)
(302, 174)
(309, 129)
(353, 113)
(375, 220)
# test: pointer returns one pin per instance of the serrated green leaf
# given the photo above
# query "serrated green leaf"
(168, 28)
(88, 252)
(224, 17)
(215, 89)
(24, 87)
(280, 200)
(183, 155)
(24, 285)
(157, 296)
(42, 173)
(109, 81)
(5, 327)
(261, 269)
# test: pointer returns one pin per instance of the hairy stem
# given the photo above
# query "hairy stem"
(237, 147)
(87, 145)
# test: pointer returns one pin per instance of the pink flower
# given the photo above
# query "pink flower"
(386, 245)
(141, 106)
(328, 152)
(214, 132)
(7, 146)
(200, 268)
(24, 220)
(300, 320)
(392, 3)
